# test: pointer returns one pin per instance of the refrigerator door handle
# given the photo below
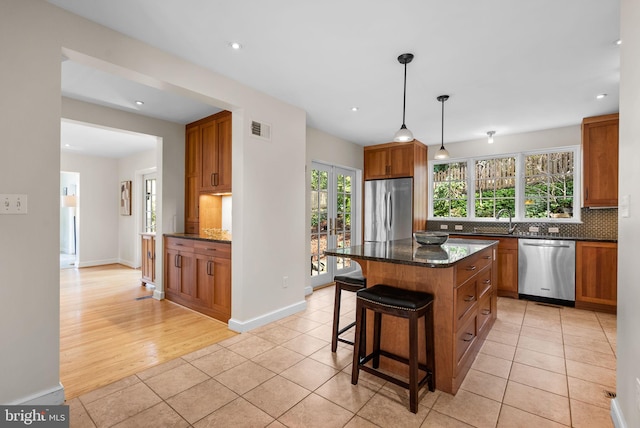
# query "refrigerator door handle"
(390, 211)
(387, 204)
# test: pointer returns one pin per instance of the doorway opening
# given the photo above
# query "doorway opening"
(69, 219)
(333, 218)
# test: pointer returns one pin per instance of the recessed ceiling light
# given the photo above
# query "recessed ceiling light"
(354, 109)
(235, 46)
(618, 42)
(139, 102)
(600, 96)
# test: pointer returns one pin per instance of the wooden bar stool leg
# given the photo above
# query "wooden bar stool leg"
(413, 363)
(430, 345)
(358, 342)
(336, 318)
(377, 329)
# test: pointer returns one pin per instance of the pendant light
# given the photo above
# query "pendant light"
(404, 135)
(442, 153)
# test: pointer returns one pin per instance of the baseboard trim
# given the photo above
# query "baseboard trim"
(97, 263)
(308, 290)
(243, 326)
(616, 415)
(53, 396)
(158, 294)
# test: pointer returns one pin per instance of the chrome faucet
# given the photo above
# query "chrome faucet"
(506, 210)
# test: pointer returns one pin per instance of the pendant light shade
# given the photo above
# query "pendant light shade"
(404, 134)
(442, 153)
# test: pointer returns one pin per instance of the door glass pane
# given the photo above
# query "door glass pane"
(150, 205)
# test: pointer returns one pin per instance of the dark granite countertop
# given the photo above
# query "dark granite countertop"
(409, 252)
(222, 238)
(531, 235)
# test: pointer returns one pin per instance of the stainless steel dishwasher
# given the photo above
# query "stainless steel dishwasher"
(547, 270)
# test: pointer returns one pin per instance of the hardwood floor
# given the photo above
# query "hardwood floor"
(110, 328)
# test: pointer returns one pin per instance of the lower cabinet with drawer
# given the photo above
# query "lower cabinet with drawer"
(475, 309)
(197, 274)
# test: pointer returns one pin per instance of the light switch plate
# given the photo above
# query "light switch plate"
(13, 204)
(458, 227)
(534, 229)
(553, 230)
(444, 226)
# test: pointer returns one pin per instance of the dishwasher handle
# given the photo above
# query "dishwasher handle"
(547, 245)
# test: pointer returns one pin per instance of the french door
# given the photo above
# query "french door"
(333, 214)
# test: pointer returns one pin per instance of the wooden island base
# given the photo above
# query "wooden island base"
(465, 308)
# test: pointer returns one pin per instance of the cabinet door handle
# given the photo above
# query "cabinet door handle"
(469, 298)
(217, 178)
(487, 257)
(149, 255)
(211, 267)
(486, 281)
(486, 311)
(473, 267)
(468, 338)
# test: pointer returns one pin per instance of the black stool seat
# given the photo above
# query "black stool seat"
(396, 297)
(397, 302)
(353, 278)
(352, 281)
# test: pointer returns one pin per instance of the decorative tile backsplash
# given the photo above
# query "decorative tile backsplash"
(596, 223)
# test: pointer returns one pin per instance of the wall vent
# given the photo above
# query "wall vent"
(261, 130)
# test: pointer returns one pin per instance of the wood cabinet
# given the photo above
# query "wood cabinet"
(507, 266)
(148, 259)
(399, 160)
(597, 276)
(600, 161)
(198, 275)
(207, 163)
(393, 160)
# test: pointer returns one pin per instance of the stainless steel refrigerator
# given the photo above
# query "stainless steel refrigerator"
(388, 209)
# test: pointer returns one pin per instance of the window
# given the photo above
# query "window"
(450, 189)
(149, 203)
(540, 186)
(548, 188)
(495, 186)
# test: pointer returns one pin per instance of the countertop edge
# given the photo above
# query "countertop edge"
(489, 243)
(196, 237)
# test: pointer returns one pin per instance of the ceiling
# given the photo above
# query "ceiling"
(508, 66)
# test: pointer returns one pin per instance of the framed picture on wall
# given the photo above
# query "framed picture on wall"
(125, 198)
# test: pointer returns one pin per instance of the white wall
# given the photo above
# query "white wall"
(97, 219)
(628, 331)
(268, 181)
(514, 143)
(133, 168)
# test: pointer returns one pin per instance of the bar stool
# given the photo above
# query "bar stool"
(352, 281)
(412, 305)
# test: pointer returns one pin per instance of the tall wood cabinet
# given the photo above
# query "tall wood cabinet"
(600, 161)
(207, 163)
(597, 275)
(399, 160)
(148, 259)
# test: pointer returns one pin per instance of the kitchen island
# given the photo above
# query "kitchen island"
(461, 275)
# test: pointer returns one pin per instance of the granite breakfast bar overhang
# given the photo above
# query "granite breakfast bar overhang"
(462, 276)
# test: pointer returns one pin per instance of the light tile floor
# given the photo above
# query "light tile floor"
(541, 366)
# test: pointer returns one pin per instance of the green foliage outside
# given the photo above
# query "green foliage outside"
(319, 195)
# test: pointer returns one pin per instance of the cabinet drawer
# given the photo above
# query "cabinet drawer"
(485, 310)
(213, 249)
(465, 337)
(466, 296)
(484, 282)
(179, 244)
(472, 265)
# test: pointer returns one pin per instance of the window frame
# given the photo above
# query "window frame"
(519, 215)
